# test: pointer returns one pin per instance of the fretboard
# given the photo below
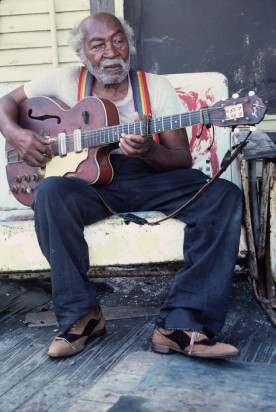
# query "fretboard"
(82, 139)
(112, 134)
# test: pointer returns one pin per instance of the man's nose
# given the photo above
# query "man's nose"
(110, 50)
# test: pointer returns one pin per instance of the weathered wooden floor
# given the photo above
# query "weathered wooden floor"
(118, 372)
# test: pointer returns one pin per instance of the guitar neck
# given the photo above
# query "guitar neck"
(112, 134)
(47, 117)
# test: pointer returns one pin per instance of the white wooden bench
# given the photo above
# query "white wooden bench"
(114, 247)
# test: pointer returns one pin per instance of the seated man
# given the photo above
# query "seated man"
(148, 175)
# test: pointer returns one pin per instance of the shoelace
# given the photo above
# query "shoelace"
(196, 336)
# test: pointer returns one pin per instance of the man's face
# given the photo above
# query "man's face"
(106, 50)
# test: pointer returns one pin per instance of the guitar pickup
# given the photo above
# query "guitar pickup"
(78, 141)
(62, 148)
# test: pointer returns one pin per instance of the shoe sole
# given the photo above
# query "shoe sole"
(167, 350)
(95, 334)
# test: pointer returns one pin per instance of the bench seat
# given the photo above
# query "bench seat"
(112, 245)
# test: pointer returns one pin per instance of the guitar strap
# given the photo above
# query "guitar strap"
(85, 85)
(141, 95)
(139, 91)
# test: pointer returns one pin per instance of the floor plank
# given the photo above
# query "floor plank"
(174, 383)
(30, 381)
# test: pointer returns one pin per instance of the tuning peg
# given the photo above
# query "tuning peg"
(235, 96)
(251, 93)
(252, 128)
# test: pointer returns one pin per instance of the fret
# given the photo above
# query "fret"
(115, 134)
(125, 128)
(176, 121)
(140, 125)
(201, 116)
(120, 131)
(152, 126)
(99, 137)
(94, 138)
(158, 123)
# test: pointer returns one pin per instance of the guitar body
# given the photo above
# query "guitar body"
(49, 117)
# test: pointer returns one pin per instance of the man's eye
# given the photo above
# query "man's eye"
(118, 42)
(97, 46)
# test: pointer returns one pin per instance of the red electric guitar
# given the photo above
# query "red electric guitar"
(88, 132)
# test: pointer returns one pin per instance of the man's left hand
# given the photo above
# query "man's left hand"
(135, 145)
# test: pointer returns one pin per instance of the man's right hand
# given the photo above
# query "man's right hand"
(31, 147)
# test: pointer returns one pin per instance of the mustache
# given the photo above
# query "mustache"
(111, 62)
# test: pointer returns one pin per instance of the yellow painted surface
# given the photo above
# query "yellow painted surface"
(110, 242)
(269, 123)
(11, 7)
(26, 41)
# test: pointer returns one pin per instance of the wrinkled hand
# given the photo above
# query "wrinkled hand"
(32, 148)
(135, 145)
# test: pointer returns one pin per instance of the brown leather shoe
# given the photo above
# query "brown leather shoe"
(190, 343)
(72, 342)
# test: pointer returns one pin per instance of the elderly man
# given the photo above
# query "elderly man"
(148, 173)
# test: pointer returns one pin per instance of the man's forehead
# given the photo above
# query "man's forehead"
(100, 27)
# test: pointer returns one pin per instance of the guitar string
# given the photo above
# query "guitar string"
(165, 121)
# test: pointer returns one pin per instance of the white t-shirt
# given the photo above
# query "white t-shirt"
(62, 84)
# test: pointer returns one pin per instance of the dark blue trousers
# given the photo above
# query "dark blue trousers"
(200, 291)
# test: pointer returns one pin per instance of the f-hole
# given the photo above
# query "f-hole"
(44, 117)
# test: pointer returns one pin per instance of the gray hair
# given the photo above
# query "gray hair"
(76, 38)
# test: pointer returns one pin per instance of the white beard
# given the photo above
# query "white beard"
(105, 78)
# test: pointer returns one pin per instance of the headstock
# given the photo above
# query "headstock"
(247, 110)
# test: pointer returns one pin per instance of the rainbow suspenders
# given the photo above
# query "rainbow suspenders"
(139, 91)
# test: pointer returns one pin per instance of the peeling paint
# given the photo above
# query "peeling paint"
(159, 39)
(201, 147)
(259, 65)
(247, 40)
